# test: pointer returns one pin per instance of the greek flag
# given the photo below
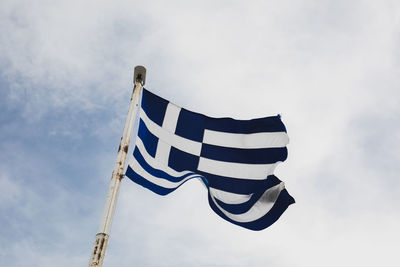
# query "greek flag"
(235, 159)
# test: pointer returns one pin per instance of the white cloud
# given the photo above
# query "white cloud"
(330, 67)
(9, 191)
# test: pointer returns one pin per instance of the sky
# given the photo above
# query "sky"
(330, 68)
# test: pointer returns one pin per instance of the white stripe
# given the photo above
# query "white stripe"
(236, 170)
(254, 140)
(154, 163)
(169, 123)
(180, 143)
(228, 197)
(171, 117)
(259, 209)
(162, 152)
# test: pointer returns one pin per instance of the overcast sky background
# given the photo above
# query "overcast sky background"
(331, 68)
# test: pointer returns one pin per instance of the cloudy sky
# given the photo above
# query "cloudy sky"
(330, 68)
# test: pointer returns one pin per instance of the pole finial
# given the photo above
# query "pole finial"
(139, 75)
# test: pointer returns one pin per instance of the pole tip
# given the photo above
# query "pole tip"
(139, 75)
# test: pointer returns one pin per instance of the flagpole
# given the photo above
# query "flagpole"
(101, 241)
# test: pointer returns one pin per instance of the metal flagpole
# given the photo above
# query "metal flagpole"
(101, 241)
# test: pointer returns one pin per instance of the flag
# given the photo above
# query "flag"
(235, 159)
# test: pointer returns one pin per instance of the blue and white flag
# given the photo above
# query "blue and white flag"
(235, 159)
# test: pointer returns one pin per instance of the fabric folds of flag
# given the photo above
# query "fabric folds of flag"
(235, 159)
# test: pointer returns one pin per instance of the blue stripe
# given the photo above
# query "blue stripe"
(282, 203)
(154, 106)
(156, 172)
(182, 161)
(267, 124)
(251, 156)
(147, 184)
(235, 185)
(243, 207)
(240, 208)
(190, 125)
(132, 175)
(149, 140)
